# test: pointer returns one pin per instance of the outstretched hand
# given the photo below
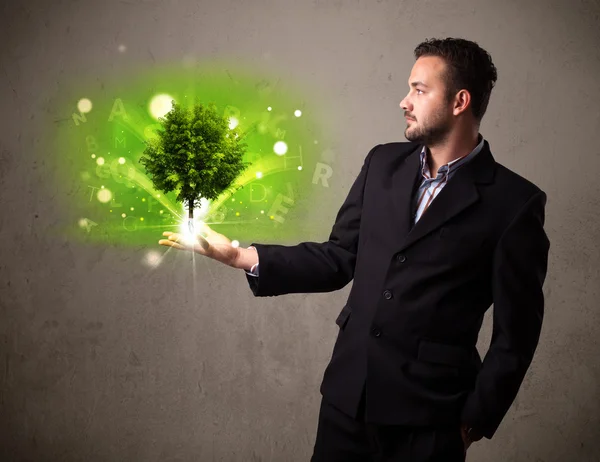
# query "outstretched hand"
(208, 243)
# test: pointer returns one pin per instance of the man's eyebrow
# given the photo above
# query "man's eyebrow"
(418, 82)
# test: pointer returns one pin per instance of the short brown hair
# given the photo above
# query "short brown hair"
(470, 67)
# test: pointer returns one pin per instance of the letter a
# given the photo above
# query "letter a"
(117, 109)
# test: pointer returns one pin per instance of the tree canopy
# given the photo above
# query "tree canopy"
(195, 153)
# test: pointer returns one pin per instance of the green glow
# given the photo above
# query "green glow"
(100, 136)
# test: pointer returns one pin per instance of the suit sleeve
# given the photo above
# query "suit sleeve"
(313, 266)
(519, 269)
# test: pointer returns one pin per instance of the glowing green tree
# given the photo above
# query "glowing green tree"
(195, 153)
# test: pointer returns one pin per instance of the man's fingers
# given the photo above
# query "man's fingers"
(204, 230)
(169, 243)
(185, 243)
(203, 243)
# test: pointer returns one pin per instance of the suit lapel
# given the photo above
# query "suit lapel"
(405, 182)
(457, 195)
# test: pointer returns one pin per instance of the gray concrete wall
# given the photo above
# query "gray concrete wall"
(101, 359)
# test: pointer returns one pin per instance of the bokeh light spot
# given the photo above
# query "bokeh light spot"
(160, 105)
(152, 259)
(280, 148)
(84, 105)
(104, 196)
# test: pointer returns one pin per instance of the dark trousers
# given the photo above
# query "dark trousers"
(343, 439)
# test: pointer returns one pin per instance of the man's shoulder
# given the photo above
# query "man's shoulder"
(510, 181)
(506, 180)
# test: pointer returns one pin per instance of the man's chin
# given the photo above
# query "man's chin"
(412, 137)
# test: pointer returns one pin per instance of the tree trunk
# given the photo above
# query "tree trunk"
(191, 217)
(191, 209)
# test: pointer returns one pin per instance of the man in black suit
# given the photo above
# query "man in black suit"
(433, 231)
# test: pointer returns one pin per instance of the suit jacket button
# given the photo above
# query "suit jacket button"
(376, 332)
(387, 294)
(401, 258)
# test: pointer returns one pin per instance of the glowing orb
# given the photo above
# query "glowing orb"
(259, 174)
(235, 243)
(104, 196)
(160, 105)
(121, 160)
(100, 160)
(152, 259)
(297, 112)
(233, 122)
(84, 105)
(122, 48)
(280, 148)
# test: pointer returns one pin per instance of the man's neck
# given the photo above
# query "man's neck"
(439, 155)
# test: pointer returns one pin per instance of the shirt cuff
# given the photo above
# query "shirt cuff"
(254, 270)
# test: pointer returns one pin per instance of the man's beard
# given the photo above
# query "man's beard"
(433, 134)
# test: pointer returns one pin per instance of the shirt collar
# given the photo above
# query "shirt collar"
(452, 165)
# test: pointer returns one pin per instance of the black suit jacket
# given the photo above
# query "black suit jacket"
(410, 325)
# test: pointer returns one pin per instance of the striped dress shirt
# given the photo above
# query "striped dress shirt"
(431, 187)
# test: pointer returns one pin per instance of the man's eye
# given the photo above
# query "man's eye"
(419, 90)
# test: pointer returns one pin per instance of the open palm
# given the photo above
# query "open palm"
(208, 243)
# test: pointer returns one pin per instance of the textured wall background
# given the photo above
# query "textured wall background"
(103, 360)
